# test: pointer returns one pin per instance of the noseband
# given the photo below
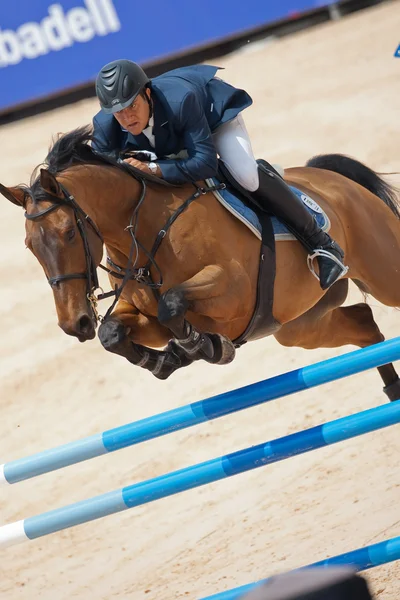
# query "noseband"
(80, 218)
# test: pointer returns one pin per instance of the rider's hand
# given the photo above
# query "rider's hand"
(138, 164)
(142, 166)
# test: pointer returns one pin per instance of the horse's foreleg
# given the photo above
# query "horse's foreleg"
(202, 295)
(132, 335)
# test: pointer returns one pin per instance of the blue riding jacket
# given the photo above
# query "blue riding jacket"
(189, 104)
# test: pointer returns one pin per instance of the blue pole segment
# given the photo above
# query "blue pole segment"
(154, 426)
(213, 470)
(55, 458)
(366, 558)
(360, 423)
(174, 483)
(361, 559)
(204, 410)
(75, 514)
(351, 363)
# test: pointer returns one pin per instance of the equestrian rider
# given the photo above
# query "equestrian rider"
(187, 117)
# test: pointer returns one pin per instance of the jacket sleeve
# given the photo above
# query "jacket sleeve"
(202, 155)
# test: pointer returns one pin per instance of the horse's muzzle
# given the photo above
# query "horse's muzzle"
(84, 328)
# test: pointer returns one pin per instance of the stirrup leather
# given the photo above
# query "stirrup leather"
(325, 254)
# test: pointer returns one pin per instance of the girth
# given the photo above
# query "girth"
(262, 323)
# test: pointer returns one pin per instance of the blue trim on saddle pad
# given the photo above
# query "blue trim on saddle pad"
(250, 219)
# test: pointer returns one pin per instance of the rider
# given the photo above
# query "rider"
(188, 117)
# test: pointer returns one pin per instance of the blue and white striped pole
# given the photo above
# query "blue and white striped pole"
(200, 412)
(201, 474)
(361, 560)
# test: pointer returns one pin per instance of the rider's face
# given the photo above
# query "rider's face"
(135, 117)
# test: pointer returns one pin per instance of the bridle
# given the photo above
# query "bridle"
(130, 272)
(92, 282)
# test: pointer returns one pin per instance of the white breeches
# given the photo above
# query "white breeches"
(233, 145)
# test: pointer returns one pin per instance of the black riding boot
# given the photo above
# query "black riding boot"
(275, 196)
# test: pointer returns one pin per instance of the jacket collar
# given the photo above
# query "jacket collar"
(160, 129)
(161, 124)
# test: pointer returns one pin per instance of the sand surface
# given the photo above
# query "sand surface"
(335, 88)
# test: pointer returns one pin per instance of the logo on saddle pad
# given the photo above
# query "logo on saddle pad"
(310, 203)
(58, 30)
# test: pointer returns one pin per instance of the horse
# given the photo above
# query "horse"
(184, 270)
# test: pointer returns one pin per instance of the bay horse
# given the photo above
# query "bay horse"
(204, 263)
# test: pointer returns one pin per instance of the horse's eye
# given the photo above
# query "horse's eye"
(70, 235)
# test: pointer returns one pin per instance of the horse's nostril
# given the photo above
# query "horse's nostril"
(85, 324)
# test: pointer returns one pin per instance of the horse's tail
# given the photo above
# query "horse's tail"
(356, 171)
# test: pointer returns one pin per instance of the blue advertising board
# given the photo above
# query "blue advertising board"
(47, 47)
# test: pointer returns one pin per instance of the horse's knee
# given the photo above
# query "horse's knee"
(112, 333)
(172, 305)
(113, 337)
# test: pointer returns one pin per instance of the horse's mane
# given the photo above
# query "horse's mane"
(72, 149)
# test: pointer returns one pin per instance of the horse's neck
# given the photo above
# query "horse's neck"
(108, 195)
(147, 222)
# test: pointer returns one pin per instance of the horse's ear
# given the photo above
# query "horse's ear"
(15, 195)
(49, 183)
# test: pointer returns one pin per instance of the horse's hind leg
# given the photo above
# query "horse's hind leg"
(329, 325)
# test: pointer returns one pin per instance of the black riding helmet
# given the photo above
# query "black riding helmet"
(118, 84)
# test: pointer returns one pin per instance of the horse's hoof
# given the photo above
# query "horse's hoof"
(224, 350)
(214, 348)
(111, 334)
(166, 364)
(392, 390)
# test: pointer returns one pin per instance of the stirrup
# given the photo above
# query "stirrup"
(325, 254)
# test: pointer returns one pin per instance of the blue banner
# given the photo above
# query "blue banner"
(46, 47)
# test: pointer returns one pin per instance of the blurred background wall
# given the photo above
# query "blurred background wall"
(50, 52)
